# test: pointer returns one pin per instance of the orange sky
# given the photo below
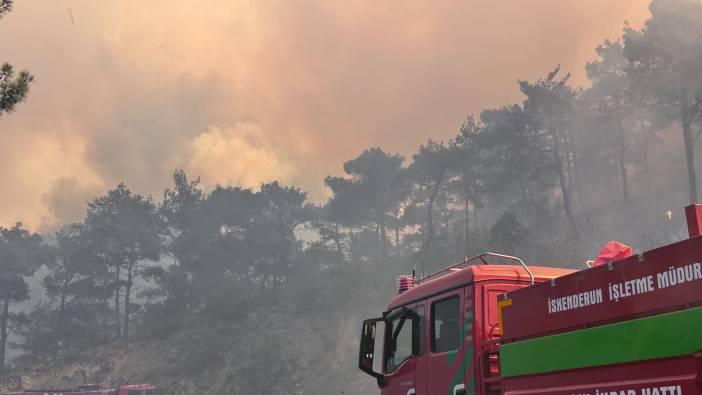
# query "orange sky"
(247, 91)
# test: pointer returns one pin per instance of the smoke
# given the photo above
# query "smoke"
(247, 91)
(238, 156)
(66, 201)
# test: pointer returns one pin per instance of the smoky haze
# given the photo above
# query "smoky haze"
(214, 195)
(243, 92)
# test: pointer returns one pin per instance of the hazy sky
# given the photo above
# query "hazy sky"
(247, 91)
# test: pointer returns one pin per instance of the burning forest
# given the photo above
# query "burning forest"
(208, 230)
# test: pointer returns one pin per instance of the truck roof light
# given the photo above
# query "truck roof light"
(404, 283)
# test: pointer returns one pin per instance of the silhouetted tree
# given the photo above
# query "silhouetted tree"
(376, 186)
(429, 171)
(5, 7)
(549, 105)
(12, 90)
(612, 99)
(665, 58)
(469, 172)
(70, 285)
(189, 228)
(130, 230)
(20, 256)
(514, 158)
(280, 211)
(508, 233)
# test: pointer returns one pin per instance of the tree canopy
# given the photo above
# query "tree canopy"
(13, 89)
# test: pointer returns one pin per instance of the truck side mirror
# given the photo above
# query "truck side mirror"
(366, 355)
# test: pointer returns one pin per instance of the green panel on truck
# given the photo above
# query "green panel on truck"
(660, 336)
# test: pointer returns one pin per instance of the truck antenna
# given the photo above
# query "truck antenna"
(421, 261)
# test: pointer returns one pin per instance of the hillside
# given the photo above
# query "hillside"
(271, 354)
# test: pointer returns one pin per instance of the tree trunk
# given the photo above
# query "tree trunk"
(430, 212)
(446, 220)
(62, 304)
(3, 330)
(264, 279)
(690, 156)
(646, 130)
(565, 192)
(396, 226)
(337, 242)
(61, 312)
(466, 214)
(523, 191)
(127, 300)
(475, 216)
(104, 307)
(118, 326)
(568, 160)
(383, 236)
(646, 165)
(577, 173)
(620, 161)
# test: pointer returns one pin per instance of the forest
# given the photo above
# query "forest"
(550, 178)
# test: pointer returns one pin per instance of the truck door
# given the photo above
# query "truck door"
(399, 364)
(445, 354)
(420, 369)
(490, 322)
(487, 332)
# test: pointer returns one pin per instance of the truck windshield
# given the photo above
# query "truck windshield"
(399, 346)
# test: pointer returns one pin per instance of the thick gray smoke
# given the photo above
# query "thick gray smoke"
(255, 91)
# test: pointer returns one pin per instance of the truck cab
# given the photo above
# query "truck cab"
(440, 335)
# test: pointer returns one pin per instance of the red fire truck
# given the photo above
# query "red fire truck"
(130, 389)
(632, 326)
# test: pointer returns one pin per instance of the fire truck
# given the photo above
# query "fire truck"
(91, 389)
(631, 325)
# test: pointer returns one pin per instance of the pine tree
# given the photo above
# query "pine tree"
(12, 90)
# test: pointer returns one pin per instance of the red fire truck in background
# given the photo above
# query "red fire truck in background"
(631, 326)
(129, 389)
